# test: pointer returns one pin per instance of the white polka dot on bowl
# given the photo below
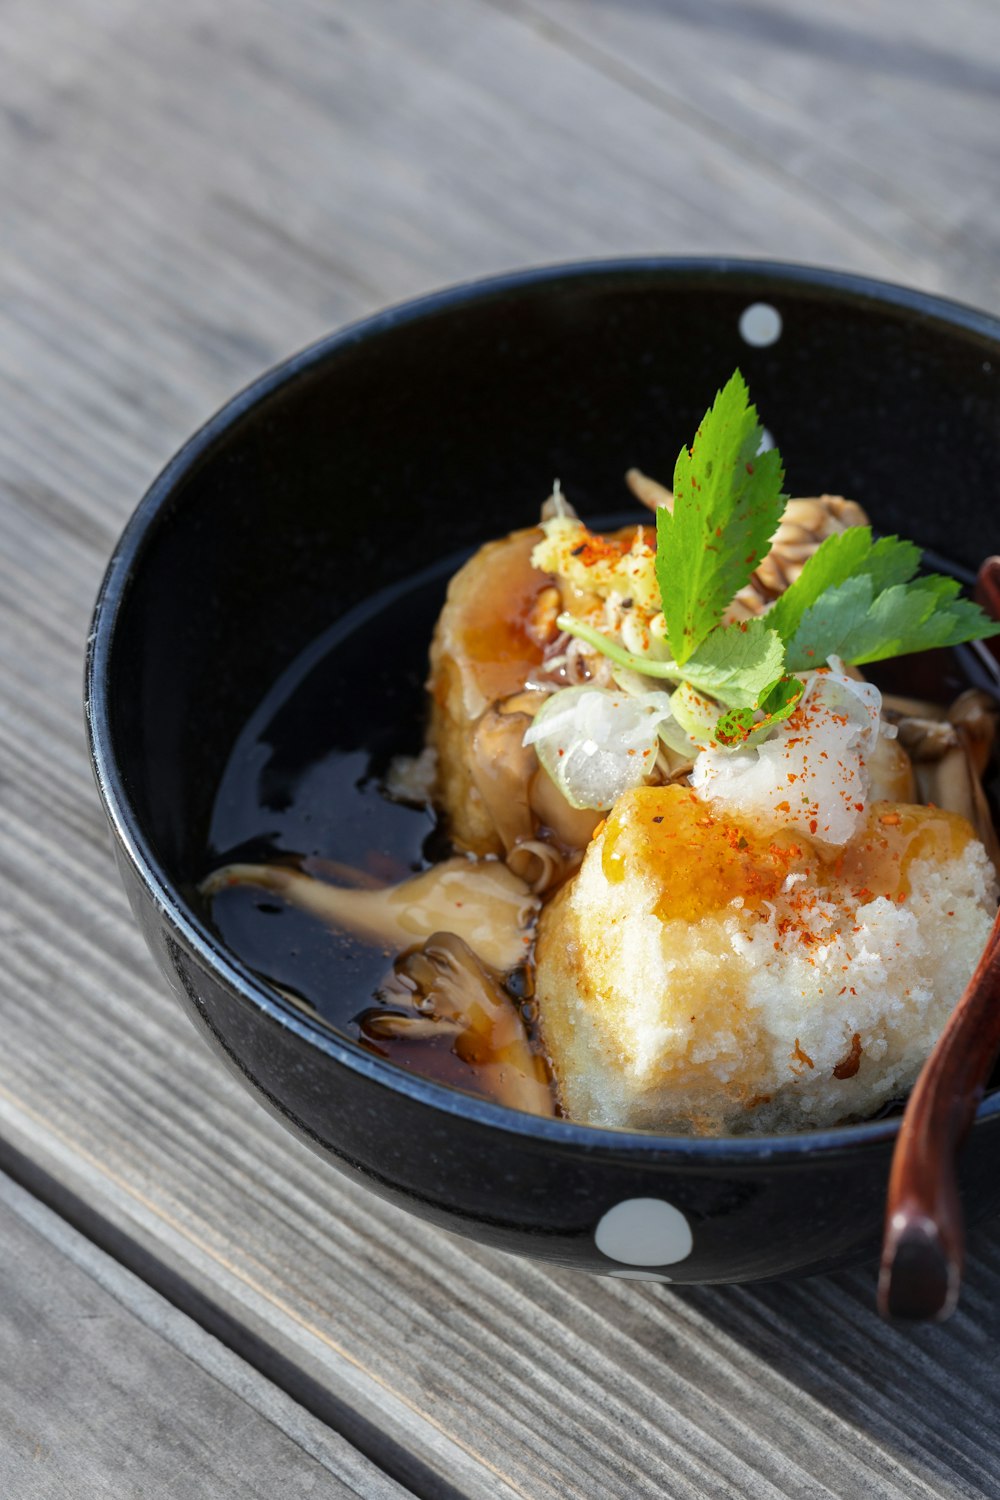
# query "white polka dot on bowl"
(760, 325)
(644, 1232)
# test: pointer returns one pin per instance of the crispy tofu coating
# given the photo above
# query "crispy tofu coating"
(698, 976)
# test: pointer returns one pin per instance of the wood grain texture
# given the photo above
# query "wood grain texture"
(119, 1395)
(888, 118)
(189, 193)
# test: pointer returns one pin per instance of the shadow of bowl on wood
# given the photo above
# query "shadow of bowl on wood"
(427, 429)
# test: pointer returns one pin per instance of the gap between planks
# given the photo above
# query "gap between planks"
(117, 1392)
(395, 1438)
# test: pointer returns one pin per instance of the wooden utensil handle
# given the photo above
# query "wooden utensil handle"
(923, 1249)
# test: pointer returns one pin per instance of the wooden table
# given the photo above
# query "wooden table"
(192, 1304)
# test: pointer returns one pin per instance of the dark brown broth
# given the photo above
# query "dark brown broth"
(304, 785)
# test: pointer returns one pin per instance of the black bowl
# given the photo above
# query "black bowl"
(427, 429)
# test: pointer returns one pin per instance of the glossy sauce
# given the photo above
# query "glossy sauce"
(303, 785)
(703, 862)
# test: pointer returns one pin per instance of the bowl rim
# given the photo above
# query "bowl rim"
(758, 276)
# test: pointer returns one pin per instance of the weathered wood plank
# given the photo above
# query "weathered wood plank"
(892, 127)
(187, 196)
(783, 1390)
(107, 1390)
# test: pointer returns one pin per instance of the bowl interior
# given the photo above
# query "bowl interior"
(439, 425)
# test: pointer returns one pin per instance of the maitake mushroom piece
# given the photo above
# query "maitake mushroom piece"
(518, 796)
(950, 750)
(449, 994)
(649, 491)
(483, 902)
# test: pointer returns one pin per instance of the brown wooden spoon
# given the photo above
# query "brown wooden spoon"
(924, 1241)
(923, 1248)
(987, 592)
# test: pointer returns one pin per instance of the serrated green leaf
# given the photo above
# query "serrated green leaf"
(840, 557)
(732, 729)
(727, 507)
(735, 664)
(827, 626)
(855, 598)
(781, 697)
(739, 728)
(921, 617)
(944, 589)
(778, 704)
(851, 622)
(847, 554)
(892, 560)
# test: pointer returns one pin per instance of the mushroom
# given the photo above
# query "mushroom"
(573, 827)
(949, 756)
(673, 765)
(505, 773)
(453, 995)
(974, 715)
(558, 505)
(890, 772)
(895, 708)
(481, 901)
(502, 767)
(390, 1026)
(651, 492)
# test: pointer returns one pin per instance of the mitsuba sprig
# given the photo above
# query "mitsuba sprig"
(856, 598)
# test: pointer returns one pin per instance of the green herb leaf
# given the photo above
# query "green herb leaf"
(859, 600)
(735, 664)
(740, 665)
(740, 728)
(892, 560)
(855, 598)
(733, 728)
(781, 698)
(835, 560)
(846, 554)
(727, 506)
(776, 705)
